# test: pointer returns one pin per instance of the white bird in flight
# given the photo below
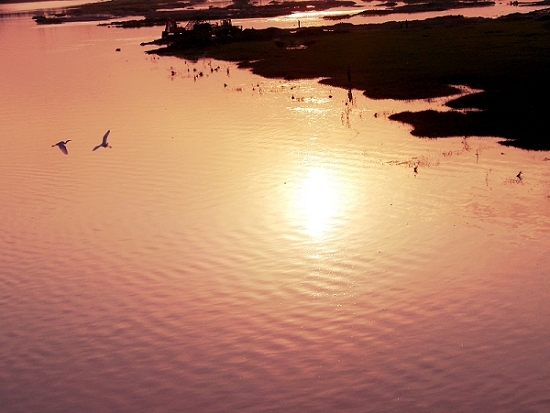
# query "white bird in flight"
(62, 146)
(103, 144)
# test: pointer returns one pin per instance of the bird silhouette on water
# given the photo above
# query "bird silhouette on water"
(62, 146)
(104, 143)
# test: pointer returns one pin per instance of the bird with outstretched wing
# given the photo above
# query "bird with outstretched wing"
(61, 145)
(104, 143)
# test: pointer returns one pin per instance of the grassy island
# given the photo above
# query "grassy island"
(507, 58)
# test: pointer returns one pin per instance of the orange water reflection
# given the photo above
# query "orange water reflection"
(247, 248)
(318, 200)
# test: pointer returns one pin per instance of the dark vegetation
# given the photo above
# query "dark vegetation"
(508, 58)
(159, 10)
(155, 12)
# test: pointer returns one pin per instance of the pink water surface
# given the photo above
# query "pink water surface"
(254, 245)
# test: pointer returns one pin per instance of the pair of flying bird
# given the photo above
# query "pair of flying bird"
(63, 144)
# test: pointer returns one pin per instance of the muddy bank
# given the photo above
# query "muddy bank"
(507, 58)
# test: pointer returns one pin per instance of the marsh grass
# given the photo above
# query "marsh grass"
(508, 58)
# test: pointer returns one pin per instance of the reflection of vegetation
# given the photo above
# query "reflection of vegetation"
(183, 10)
(507, 58)
(238, 9)
(419, 6)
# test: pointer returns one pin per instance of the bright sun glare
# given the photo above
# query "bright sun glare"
(317, 200)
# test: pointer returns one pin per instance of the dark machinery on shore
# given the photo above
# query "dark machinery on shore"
(224, 28)
(171, 28)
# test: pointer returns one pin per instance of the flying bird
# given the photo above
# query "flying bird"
(103, 144)
(62, 146)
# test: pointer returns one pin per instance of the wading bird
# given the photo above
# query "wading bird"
(62, 146)
(103, 144)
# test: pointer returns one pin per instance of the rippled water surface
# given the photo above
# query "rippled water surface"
(254, 245)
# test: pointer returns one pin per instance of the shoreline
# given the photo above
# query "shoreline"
(506, 58)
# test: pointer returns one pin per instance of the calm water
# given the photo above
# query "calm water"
(254, 245)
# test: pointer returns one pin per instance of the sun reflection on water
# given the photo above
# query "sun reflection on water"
(317, 200)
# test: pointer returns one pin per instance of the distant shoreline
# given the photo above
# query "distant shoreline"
(155, 12)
